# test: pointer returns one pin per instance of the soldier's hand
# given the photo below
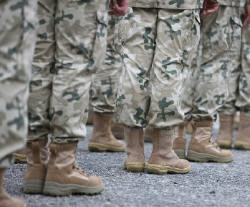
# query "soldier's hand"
(118, 7)
(246, 21)
(210, 6)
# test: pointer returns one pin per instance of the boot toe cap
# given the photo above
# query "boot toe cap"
(95, 181)
(226, 153)
(184, 164)
(13, 202)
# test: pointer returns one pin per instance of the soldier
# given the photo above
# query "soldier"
(17, 42)
(103, 93)
(239, 93)
(208, 85)
(158, 48)
(69, 49)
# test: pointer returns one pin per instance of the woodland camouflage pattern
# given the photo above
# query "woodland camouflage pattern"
(17, 41)
(64, 60)
(207, 89)
(159, 47)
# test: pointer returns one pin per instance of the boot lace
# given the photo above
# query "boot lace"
(78, 169)
(214, 144)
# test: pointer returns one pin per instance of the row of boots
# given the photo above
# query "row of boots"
(225, 136)
(162, 160)
(201, 147)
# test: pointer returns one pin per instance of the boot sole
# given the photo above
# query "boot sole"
(162, 169)
(180, 153)
(201, 157)
(134, 167)
(33, 187)
(55, 189)
(19, 159)
(96, 147)
(241, 145)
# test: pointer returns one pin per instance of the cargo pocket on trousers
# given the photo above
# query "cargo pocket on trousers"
(100, 42)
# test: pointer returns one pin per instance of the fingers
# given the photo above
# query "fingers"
(246, 22)
(203, 14)
(118, 10)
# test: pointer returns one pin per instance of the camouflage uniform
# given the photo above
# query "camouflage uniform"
(69, 49)
(159, 45)
(104, 83)
(208, 85)
(17, 40)
(239, 82)
(243, 99)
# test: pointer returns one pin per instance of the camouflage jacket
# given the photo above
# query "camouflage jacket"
(237, 3)
(167, 4)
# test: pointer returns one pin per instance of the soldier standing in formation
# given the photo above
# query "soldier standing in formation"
(157, 42)
(69, 48)
(103, 92)
(239, 86)
(207, 87)
(161, 41)
(17, 42)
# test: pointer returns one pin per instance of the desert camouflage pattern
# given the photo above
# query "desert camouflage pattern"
(167, 4)
(237, 3)
(243, 99)
(17, 41)
(159, 47)
(104, 84)
(71, 43)
(239, 82)
(207, 89)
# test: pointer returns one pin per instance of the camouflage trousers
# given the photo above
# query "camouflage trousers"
(104, 82)
(71, 42)
(207, 89)
(158, 49)
(17, 41)
(239, 82)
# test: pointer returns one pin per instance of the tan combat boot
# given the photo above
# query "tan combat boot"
(102, 138)
(201, 147)
(135, 160)
(5, 199)
(20, 156)
(118, 130)
(37, 160)
(179, 145)
(243, 137)
(148, 134)
(163, 159)
(64, 177)
(225, 135)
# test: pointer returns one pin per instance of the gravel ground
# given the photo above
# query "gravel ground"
(208, 184)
